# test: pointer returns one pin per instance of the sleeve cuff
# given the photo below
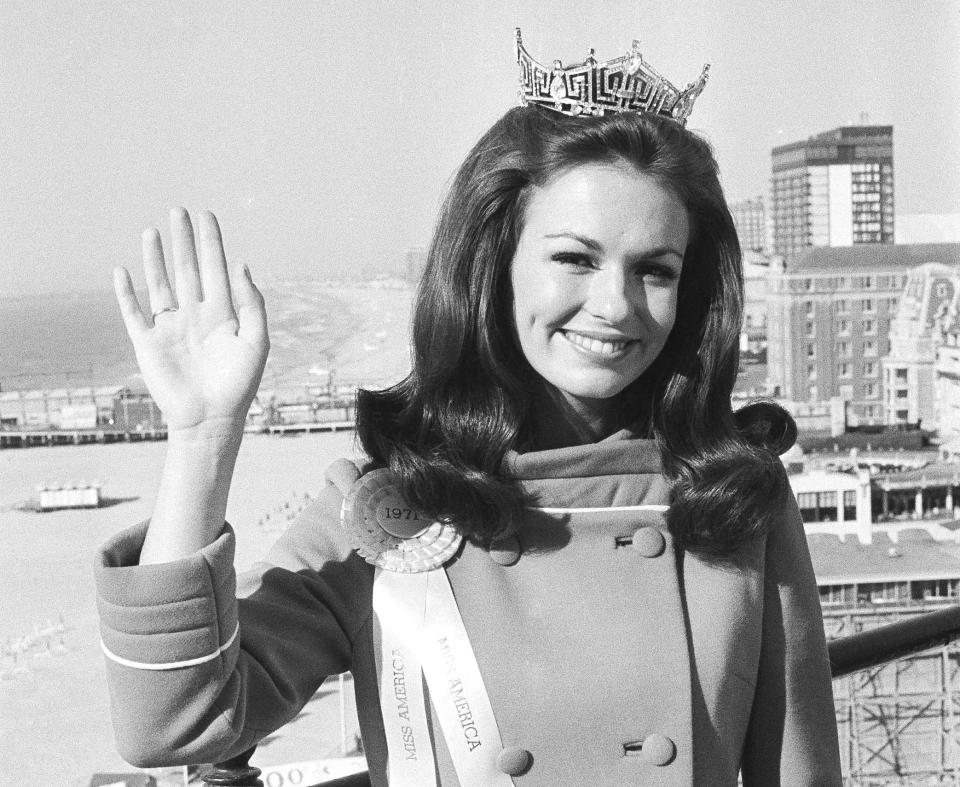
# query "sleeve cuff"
(167, 615)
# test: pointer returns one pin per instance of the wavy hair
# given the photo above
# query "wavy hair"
(446, 428)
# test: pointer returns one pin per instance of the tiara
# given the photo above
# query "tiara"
(625, 84)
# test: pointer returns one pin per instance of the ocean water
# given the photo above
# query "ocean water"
(78, 339)
(57, 341)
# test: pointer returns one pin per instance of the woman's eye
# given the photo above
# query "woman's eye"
(573, 259)
(657, 273)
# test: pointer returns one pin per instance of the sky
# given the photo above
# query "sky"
(323, 134)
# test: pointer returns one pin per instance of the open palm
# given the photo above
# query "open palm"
(203, 349)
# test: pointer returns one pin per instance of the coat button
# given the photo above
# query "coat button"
(513, 761)
(505, 551)
(649, 542)
(658, 749)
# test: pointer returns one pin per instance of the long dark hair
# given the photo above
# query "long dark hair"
(446, 428)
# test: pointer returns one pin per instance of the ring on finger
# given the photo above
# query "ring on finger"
(164, 310)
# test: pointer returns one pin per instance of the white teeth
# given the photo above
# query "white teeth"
(594, 345)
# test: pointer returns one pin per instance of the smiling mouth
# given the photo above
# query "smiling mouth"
(605, 348)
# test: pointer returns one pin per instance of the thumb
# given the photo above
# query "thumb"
(251, 310)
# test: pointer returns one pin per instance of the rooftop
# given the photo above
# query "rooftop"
(845, 135)
(934, 474)
(915, 556)
(870, 257)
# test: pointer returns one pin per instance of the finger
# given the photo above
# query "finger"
(133, 317)
(343, 474)
(251, 311)
(213, 265)
(185, 258)
(158, 283)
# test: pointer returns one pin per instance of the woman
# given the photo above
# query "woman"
(633, 596)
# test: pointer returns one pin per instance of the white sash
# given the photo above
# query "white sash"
(419, 628)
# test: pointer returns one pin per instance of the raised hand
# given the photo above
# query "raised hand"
(203, 349)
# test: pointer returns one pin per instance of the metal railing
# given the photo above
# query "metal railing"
(847, 655)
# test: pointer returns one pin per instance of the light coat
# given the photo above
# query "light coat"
(587, 645)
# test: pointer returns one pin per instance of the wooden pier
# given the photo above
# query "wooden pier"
(310, 427)
(28, 438)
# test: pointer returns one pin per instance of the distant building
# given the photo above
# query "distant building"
(828, 321)
(62, 408)
(834, 189)
(947, 389)
(927, 309)
(135, 411)
(834, 502)
(753, 338)
(750, 219)
(415, 261)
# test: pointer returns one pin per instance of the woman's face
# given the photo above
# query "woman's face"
(595, 279)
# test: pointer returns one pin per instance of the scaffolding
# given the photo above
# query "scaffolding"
(897, 722)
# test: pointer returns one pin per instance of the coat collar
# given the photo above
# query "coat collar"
(620, 470)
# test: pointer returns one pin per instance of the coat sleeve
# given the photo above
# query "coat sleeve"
(792, 736)
(200, 665)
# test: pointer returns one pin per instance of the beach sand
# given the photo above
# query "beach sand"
(54, 719)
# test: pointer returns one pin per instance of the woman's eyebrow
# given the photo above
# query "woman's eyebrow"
(590, 243)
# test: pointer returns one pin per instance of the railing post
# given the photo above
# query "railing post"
(235, 772)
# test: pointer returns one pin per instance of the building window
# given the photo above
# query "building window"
(846, 370)
(850, 505)
(883, 592)
(935, 589)
(870, 349)
(809, 308)
(901, 374)
(837, 594)
(868, 304)
(902, 393)
(869, 369)
(843, 349)
(811, 351)
(843, 327)
(809, 328)
(870, 391)
(869, 327)
(817, 506)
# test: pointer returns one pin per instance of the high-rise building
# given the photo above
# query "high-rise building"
(834, 189)
(750, 219)
(828, 321)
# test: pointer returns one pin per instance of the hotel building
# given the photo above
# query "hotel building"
(750, 219)
(828, 321)
(834, 189)
(927, 311)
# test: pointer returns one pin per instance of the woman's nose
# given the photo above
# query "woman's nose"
(611, 298)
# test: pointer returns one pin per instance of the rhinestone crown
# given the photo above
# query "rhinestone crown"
(625, 84)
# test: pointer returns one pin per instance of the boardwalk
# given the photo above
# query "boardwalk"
(27, 438)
